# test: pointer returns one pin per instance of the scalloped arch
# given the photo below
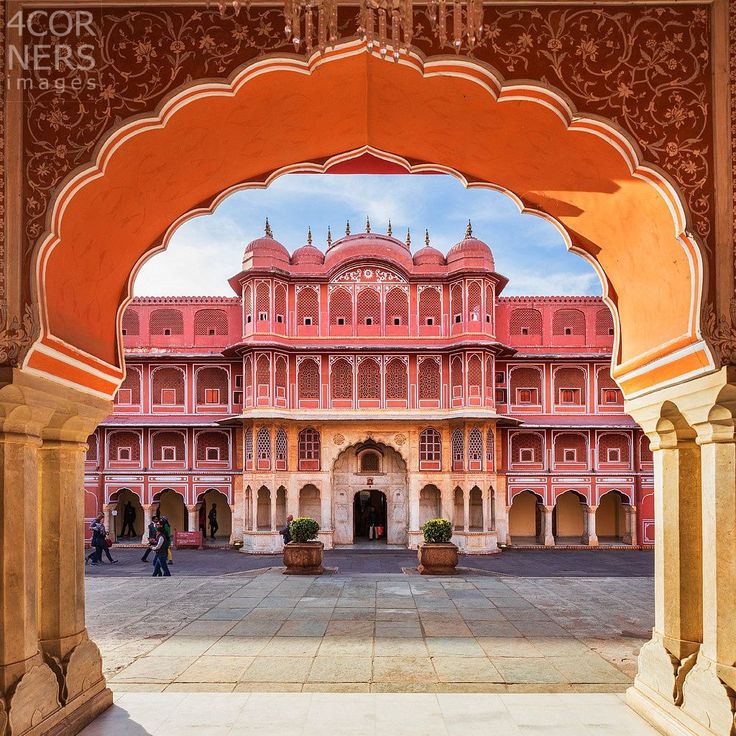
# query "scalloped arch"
(449, 115)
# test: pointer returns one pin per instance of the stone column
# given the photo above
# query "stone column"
(466, 511)
(709, 690)
(506, 534)
(193, 518)
(110, 520)
(414, 491)
(549, 540)
(631, 536)
(589, 534)
(447, 503)
(272, 500)
(325, 500)
(148, 512)
(254, 506)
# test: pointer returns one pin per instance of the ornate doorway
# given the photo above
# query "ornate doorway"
(369, 516)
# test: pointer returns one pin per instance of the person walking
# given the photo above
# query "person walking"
(160, 550)
(105, 544)
(129, 520)
(98, 540)
(213, 521)
(285, 533)
(167, 528)
(151, 537)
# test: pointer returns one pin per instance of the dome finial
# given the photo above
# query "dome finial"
(267, 229)
(329, 236)
(347, 228)
(426, 238)
(309, 235)
(408, 238)
(367, 224)
(469, 230)
(389, 230)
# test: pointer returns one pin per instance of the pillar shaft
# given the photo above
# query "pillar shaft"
(61, 535)
(549, 540)
(193, 518)
(590, 536)
(466, 511)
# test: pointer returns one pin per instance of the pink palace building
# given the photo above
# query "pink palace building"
(367, 386)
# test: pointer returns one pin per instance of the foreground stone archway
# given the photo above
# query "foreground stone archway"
(638, 224)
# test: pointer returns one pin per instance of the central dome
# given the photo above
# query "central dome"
(368, 245)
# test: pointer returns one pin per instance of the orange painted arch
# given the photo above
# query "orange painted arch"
(285, 114)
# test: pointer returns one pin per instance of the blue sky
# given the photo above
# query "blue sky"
(205, 251)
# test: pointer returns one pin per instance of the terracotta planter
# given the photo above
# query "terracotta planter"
(304, 558)
(437, 558)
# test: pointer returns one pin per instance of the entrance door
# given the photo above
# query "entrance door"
(369, 516)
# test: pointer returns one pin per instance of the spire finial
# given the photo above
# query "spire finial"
(347, 228)
(367, 224)
(329, 236)
(309, 235)
(268, 231)
(389, 230)
(469, 230)
(426, 238)
(408, 238)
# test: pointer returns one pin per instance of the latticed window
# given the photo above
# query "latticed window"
(369, 380)
(212, 386)
(456, 377)
(248, 304)
(525, 321)
(163, 444)
(248, 447)
(263, 445)
(91, 455)
(456, 302)
(125, 446)
(608, 391)
(475, 445)
(397, 382)
(526, 448)
(341, 307)
(307, 306)
(210, 322)
(263, 301)
(309, 444)
(341, 379)
(308, 379)
(131, 323)
(570, 447)
(568, 322)
(397, 307)
(489, 376)
(430, 306)
(212, 446)
(474, 301)
(167, 322)
(489, 303)
(429, 380)
(281, 449)
(490, 445)
(263, 371)
(168, 386)
(525, 383)
(430, 446)
(280, 377)
(129, 392)
(645, 450)
(613, 447)
(570, 386)
(603, 322)
(458, 449)
(248, 373)
(279, 302)
(369, 462)
(369, 307)
(475, 375)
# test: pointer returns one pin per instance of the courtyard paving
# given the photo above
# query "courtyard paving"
(489, 631)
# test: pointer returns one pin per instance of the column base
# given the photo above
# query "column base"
(662, 672)
(708, 698)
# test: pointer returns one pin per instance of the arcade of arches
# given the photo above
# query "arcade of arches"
(92, 183)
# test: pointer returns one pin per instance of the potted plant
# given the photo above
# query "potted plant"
(303, 555)
(437, 555)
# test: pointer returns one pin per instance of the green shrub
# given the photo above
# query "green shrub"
(303, 529)
(437, 530)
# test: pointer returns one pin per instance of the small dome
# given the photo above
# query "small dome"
(308, 255)
(266, 247)
(470, 247)
(428, 256)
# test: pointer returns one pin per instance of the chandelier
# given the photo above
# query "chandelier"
(383, 24)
